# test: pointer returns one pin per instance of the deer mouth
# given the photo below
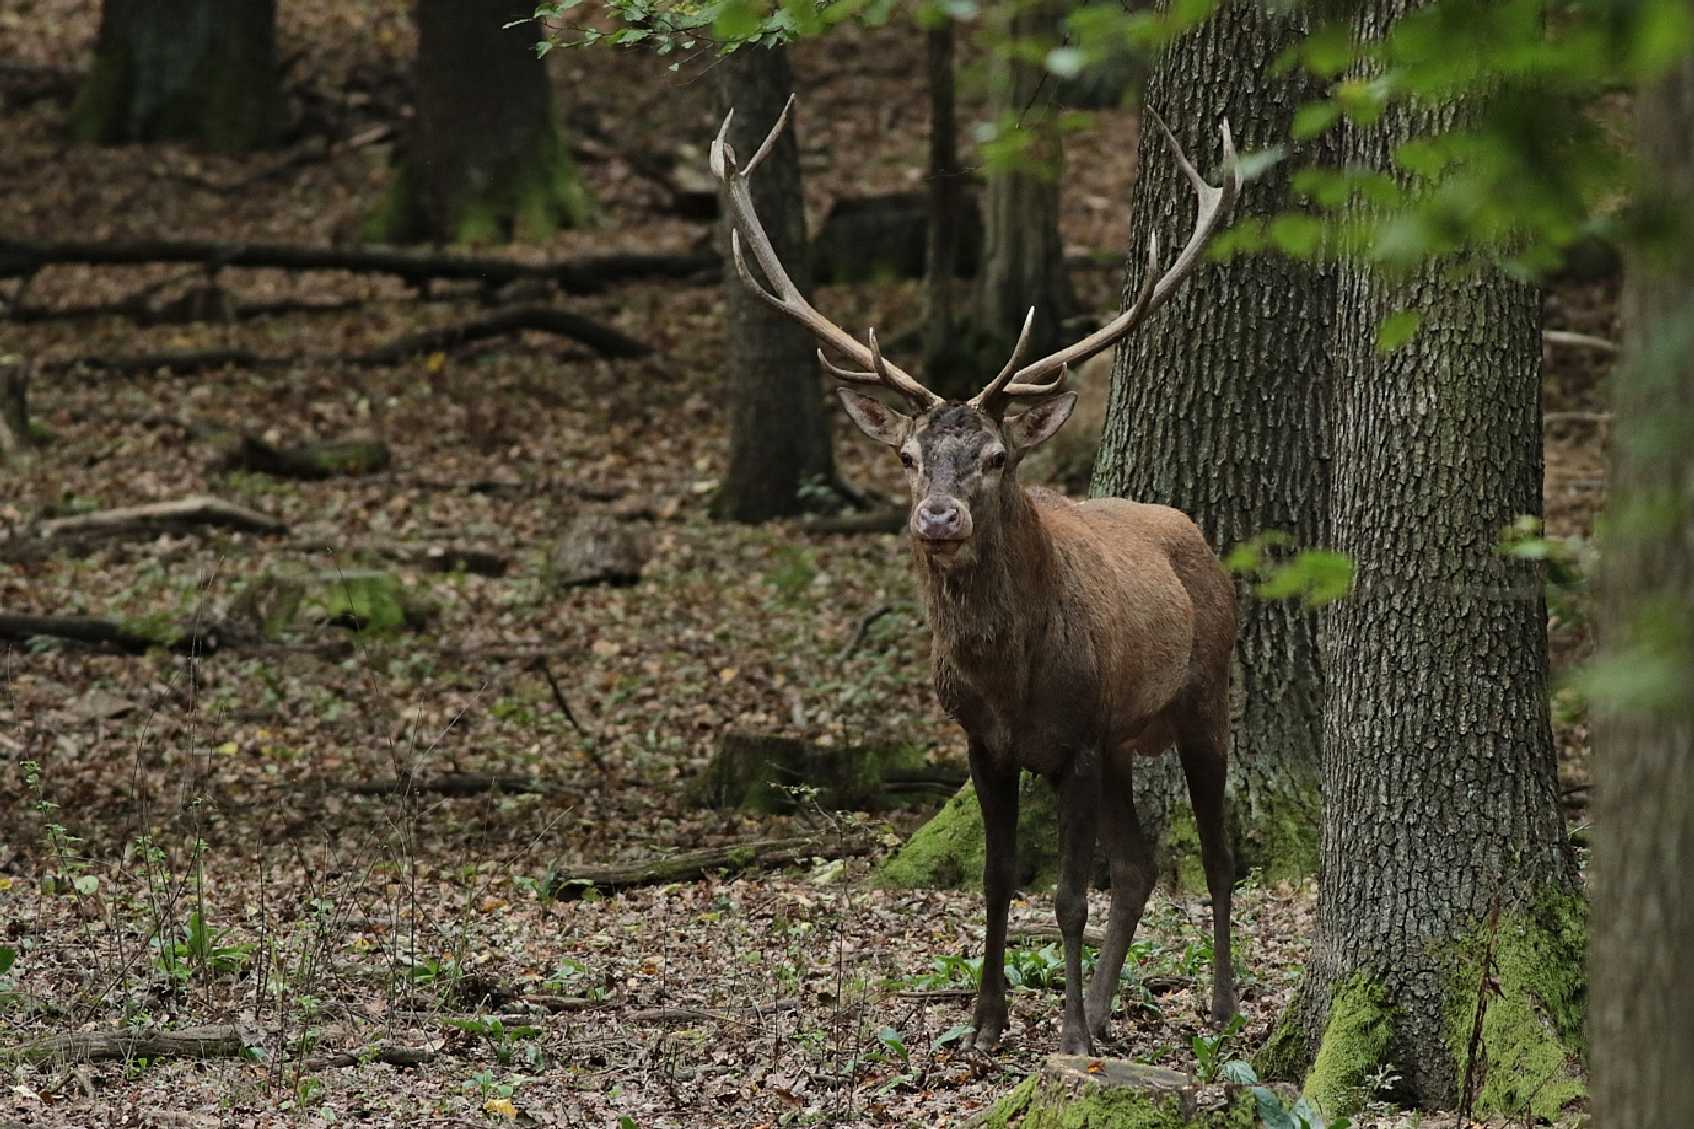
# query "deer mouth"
(944, 549)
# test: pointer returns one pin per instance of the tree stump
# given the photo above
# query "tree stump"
(757, 772)
(1079, 1092)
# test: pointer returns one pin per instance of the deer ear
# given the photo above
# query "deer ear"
(875, 418)
(1038, 425)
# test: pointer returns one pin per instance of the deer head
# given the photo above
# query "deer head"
(959, 455)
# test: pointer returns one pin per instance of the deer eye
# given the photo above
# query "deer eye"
(994, 461)
(907, 461)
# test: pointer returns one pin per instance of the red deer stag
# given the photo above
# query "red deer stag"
(1068, 637)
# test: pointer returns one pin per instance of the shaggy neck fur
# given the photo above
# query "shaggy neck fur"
(990, 606)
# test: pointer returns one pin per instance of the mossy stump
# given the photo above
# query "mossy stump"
(361, 600)
(764, 772)
(1079, 1092)
(947, 852)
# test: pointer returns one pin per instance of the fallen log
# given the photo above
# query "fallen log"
(689, 865)
(588, 275)
(309, 462)
(158, 517)
(134, 639)
(603, 339)
(455, 784)
(220, 1040)
(743, 1016)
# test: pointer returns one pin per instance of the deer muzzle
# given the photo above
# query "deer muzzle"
(939, 521)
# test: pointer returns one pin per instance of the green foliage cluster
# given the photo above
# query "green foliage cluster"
(1533, 158)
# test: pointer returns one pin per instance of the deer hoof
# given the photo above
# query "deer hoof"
(985, 1039)
(1076, 1043)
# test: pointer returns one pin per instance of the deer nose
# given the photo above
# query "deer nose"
(939, 519)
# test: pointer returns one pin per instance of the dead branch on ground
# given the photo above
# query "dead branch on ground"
(688, 865)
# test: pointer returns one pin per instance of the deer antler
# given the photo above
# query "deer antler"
(1047, 375)
(782, 294)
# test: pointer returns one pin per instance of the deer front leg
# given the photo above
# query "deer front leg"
(1078, 806)
(997, 795)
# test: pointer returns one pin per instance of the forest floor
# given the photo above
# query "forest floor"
(194, 847)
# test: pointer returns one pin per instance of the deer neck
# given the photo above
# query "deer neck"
(991, 606)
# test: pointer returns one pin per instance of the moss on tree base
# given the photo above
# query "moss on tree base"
(1532, 1045)
(1078, 1092)
(1528, 1059)
(526, 202)
(1354, 1046)
(947, 852)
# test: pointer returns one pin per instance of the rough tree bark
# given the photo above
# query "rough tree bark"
(1644, 807)
(779, 439)
(485, 161)
(182, 70)
(1439, 775)
(1217, 408)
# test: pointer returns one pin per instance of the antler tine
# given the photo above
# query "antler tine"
(779, 290)
(1212, 202)
(988, 399)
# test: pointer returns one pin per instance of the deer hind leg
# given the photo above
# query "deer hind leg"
(1202, 746)
(1130, 857)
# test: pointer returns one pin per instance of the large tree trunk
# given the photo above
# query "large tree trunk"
(486, 162)
(1642, 980)
(182, 70)
(779, 440)
(1217, 408)
(1440, 789)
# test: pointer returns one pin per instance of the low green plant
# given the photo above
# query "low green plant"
(509, 1044)
(1209, 1050)
(1273, 1113)
(197, 946)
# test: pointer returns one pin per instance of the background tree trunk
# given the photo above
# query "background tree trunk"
(779, 439)
(486, 160)
(182, 70)
(941, 259)
(1023, 256)
(1440, 785)
(1217, 408)
(1642, 980)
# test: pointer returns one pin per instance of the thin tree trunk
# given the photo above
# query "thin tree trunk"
(1440, 788)
(1023, 256)
(486, 162)
(1217, 408)
(1642, 980)
(941, 261)
(779, 440)
(182, 70)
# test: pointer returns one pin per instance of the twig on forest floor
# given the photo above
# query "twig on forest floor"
(1486, 985)
(744, 1017)
(540, 663)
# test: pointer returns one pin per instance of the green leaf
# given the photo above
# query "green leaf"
(1329, 50)
(1315, 117)
(1239, 1072)
(86, 884)
(1297, 234)
(1396, 329)
(8, 957)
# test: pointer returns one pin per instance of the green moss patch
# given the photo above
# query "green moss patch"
(1532, 1046)
(947, 852)
(361, 600)
(1286, 1055)
(1354, 1045)
(1072, 1092)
